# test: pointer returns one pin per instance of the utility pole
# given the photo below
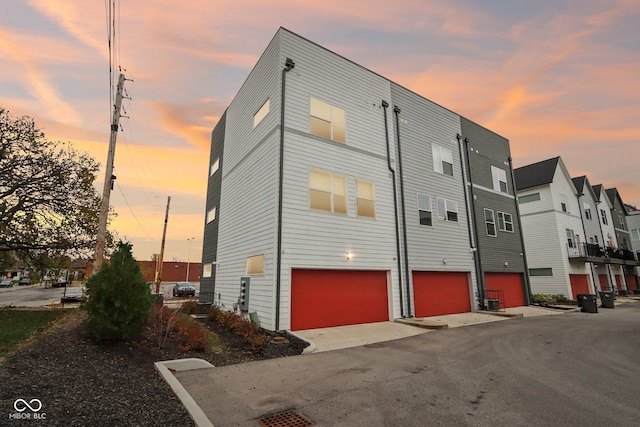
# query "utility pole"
(108, 179)
(188, 256)
(164, 236)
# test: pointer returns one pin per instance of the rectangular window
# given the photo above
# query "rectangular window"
(499, 177)
(541, 272)
(207, 269)
(564, 203)
(603, 214)
(366, 199)
(447, 209)
(328, 121)
(621, 219)
(261, 113)
(255, 264)
(490, 222)
(327, 192)
(211, 215)
(215, 166)
(442, 159)
(505, 222)
(424, 209)
(571, 238)
(529, 198)
(635, 234)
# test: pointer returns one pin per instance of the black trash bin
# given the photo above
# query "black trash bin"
(588, 302)
(158, 299)
(606, 300)
(493, 305)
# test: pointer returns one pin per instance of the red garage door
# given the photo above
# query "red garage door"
(436, 293)
(511, 286)
(579, 284)
(324, 298)
(604, 283)
(619, 281)
(631, 282)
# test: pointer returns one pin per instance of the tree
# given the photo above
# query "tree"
(48, 204)
(119, 301)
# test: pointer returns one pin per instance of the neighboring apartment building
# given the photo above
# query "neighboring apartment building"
(626, 280)
(336, 197)
(633, 221)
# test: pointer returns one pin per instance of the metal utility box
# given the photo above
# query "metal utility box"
(243, 298)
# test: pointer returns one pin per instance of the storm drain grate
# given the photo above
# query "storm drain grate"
(285, 419)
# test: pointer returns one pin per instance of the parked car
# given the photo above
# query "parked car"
(25, 281)
(184, 289)
(73, 295)
(6, 283)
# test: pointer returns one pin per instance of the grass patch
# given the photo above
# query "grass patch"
(17, 326)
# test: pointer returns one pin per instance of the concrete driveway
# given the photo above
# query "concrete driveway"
(570, 369)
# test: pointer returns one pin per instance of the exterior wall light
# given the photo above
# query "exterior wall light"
(349, 256)
(444, 260)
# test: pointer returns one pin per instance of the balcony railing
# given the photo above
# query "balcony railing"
(592, 250)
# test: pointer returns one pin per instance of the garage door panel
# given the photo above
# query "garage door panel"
(579, 284)
(604, 283)
(438, 293)
(325, 298)
(511, 286)
(631, 282)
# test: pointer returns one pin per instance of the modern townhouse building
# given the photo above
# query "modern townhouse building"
(633, 221)
(552, 228)
(626, 280)
(336, 197)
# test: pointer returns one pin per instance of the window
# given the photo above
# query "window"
(255, 264)
(505, 222)
(211, 215)
(207, 269)
(447, 209)
(621, 219)
(635, 234)
(261, 113)
(424, 209)
(529, 198)
(571, 238)
(366, 199)
(490, 222)
(564, 203)
(540, 272)
(328, 121)
(603, 214)
(499, 177)
(327, 192)
(215, 166)
(442, 159)
(587, 210)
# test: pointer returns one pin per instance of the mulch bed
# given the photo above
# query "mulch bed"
(81, 383)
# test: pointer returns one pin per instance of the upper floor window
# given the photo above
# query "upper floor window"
(621, 220)
(499, 177)
(490, 222)
(635, 234)
(366, 199)
(327, 192)
(571, 238)
(255, 264)
(603, 214)
(587, 210)
(442, 159)
(261, 113)
(447, 209)
(215, 166)
(564, 203)
(505, 222)
(529, 198)
(211, 215)
(425, 209)
(328, 121)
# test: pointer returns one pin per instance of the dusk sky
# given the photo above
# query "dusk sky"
(555, 77)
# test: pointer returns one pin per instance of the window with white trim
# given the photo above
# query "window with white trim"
(261, 113)
(447, 209)
(366, 198)
(211, 215)
(425, 209)
(635, 234)
(490, 223)
(215, 166)
(505, 222)
(207, 269)
(327, 192)
(587, 210)
(442, 159)
(327, 121)
(564, 203)
(255, 264)
(499, 177)
(541, 272)
(621, 220)
(534, 197)
(603, 214)
(571, 238)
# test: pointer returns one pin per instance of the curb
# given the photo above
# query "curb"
(167, 367)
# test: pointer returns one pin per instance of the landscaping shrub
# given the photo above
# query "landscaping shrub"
(240, 326)
(189, 307)
(193, 336)
(119, 301)
(162, 321)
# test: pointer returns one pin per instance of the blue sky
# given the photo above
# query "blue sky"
(554, 77)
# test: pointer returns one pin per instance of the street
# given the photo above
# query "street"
(29, 296)
(570, 369)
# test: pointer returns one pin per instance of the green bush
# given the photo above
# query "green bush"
(189, 307)
(119, 301)
(544, 299)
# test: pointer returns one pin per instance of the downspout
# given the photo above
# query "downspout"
(396, 111)
(477, 256)
(289, 64)
(527, 280)
(608, 266)
(593, 274)
(385, 105)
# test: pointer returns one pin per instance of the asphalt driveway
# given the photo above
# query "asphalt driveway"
(572, 369)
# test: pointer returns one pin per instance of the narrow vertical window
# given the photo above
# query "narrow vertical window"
(603, 214)
(442, 159)
(261, 113)
(505, 222)
(564, 203)
(587, 210)
(211, 215)
(366, 199)
(499, 177)
(424, 209)
(571, 238)
(490, 223)
(215, 166)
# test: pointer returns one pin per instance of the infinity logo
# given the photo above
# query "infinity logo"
(21, 405)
